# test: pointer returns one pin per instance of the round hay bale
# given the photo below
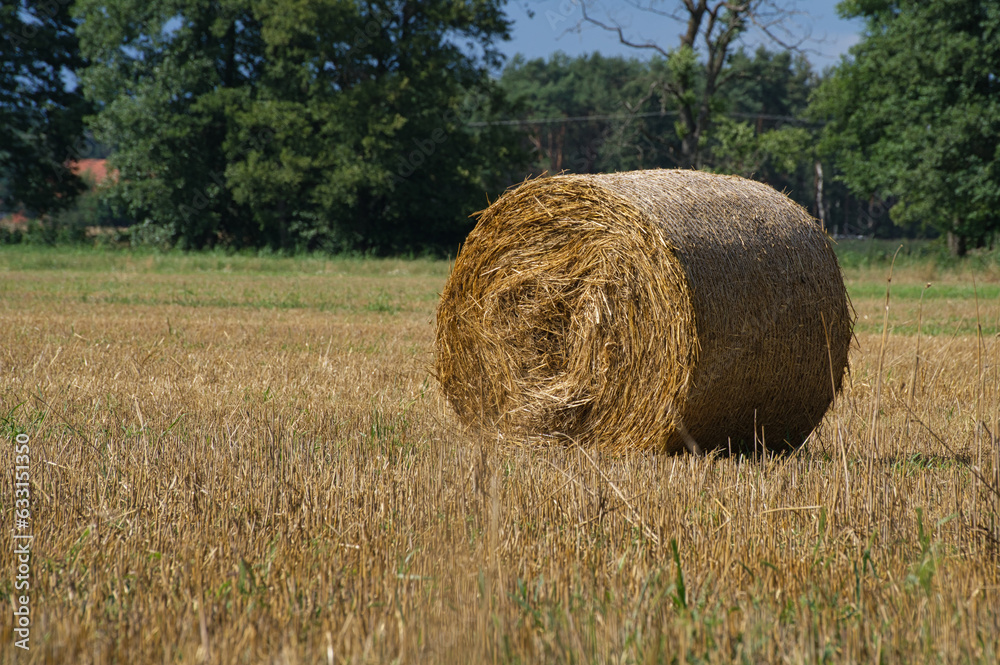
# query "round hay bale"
(645, 310)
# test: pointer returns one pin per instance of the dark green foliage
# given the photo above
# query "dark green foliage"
(167, 78)
(913, 116)
(769, 85)
(573, 101)
(40, 115)
(292, 124)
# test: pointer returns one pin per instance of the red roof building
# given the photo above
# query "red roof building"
(94, 171)
(96, 168)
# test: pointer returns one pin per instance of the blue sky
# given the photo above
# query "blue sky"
(554, 28)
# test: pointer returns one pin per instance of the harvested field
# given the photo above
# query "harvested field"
(240, 460)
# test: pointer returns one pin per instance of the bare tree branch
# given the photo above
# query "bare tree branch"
(621, 33)
(718, 25)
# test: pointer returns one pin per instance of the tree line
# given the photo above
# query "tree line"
(381, 125)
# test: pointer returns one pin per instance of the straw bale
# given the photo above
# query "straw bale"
(656, 310)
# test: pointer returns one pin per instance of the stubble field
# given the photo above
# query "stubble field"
(247, 460)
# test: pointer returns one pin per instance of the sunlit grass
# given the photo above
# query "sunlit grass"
(245, 459)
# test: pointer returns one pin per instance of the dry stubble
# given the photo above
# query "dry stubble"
(277, 479)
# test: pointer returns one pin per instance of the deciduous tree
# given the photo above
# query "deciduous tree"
(337, 124)
(913, 113)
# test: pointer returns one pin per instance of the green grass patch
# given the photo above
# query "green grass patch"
(389, 286)
(904, 291)
(29, 258)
